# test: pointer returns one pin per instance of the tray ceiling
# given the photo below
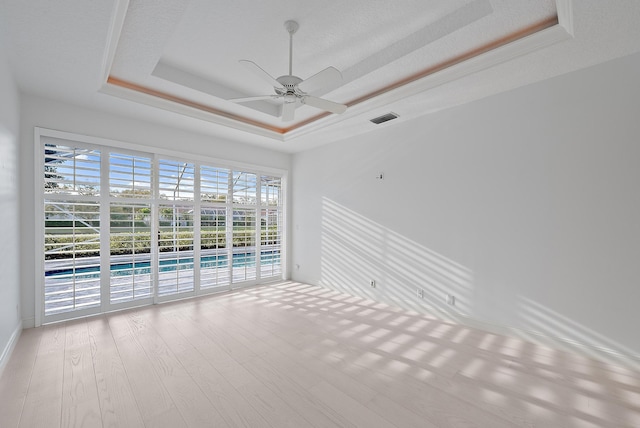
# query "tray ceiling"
(175, 62)
(188, 53)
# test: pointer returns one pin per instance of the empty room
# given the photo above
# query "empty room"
(320, 214)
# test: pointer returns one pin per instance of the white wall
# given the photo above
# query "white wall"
(46, 113)
(9, 218)
(524, 205)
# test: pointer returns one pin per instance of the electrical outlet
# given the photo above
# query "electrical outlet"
(451, 300)
(420, 293)
(372, 283)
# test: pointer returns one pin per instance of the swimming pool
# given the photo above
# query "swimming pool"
(169, 265)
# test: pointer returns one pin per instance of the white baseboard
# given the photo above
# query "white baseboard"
(8, 350)
(28, 323)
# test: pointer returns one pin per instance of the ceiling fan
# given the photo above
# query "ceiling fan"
(293, 90)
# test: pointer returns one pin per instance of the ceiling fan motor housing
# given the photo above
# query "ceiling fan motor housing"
(290, 84)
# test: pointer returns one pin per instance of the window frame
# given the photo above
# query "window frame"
(108, 146)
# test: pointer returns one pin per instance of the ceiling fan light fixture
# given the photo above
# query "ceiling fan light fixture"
(286, 87)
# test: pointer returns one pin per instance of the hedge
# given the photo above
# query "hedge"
(87, 245)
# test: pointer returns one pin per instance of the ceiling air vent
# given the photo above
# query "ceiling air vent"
(384, 118)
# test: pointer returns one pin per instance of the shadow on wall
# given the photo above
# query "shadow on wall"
(356, 250)
(543, 321)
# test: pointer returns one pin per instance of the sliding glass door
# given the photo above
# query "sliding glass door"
(130, 273)
(72, 256)
(130, 228)
(215, 259)
(271, 221)
(122, 228)
(71, 228)
(175, 214)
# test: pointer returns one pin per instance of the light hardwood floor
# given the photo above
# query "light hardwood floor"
(294, 355)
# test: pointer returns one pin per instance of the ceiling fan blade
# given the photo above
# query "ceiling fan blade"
(258, 98)
(326, 78)
(288, 110)
(258, 71)
(323, 104)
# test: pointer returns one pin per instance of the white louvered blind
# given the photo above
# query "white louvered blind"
(271, 221)
(130, 271)
(244, 198)
(244, 188)
(129, 176)
(71, 170)
(122, 228)
(214, 258)
(244, 244)
(71, 228)
(176, 180)
(214, 185)
(130, 228)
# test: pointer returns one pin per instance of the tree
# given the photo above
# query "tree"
(50, 170)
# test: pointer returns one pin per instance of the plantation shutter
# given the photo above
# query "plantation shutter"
(130, 228)
(122, 228)
(245, 187)
(176, 187)
(214, 258)
(271, 221)
(71, 227)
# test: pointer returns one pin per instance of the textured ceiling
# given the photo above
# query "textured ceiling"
(176, 62)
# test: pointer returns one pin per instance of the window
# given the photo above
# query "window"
(123, 228)
(130, 252)
(271, 220)
(176, 180)
(71, 170)
(71, 228)
(214, 258)
(72, 255)
(130, 228)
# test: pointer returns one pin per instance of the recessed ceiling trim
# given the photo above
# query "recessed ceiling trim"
(445, 26)
(564, 10)
(536, 36)
(528, 31)
(115, 30)
(175, 75)
(138, 93)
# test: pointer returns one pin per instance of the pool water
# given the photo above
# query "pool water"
(170, 265)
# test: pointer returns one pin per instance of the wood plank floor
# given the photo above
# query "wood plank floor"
(294, 355)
